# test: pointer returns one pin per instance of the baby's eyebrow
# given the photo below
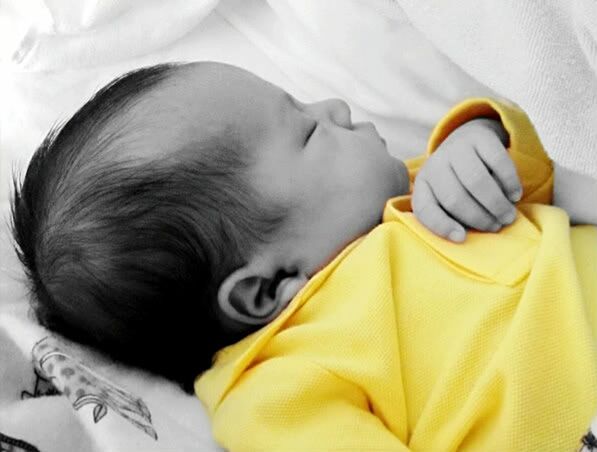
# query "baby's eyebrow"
(284, 112)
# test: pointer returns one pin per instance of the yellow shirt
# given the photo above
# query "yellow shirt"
(406, 341)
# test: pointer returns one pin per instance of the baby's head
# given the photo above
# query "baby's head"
(183, 206)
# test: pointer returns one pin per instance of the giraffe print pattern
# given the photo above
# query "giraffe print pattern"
(82, 386)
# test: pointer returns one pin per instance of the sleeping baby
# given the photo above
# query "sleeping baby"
(355, 301)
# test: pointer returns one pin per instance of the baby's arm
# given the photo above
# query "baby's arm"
(575, 193)
(511, 151)
(469, 181)
(290, 404)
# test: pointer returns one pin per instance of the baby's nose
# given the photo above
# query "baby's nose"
(338, 112)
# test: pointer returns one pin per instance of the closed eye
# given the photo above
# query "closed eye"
(311, 131)
(298, 107)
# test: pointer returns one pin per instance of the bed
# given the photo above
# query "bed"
(400, 64)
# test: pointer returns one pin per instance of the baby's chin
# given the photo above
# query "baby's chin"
(402, 184)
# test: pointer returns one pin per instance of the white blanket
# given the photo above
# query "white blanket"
(54, 54)
(540, 53)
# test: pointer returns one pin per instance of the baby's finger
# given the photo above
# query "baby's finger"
(496, 158)
(427, 210)
(473, 174)
(457, 202)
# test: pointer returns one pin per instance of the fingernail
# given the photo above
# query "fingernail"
(509, 217)
(516, 196)
(457, 235)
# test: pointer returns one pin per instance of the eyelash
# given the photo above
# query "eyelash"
(311, 132)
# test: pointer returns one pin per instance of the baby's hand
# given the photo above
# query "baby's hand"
(469, 181)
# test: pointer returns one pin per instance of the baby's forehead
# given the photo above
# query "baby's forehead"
(174, 115)
(213, 101)
(199, 103)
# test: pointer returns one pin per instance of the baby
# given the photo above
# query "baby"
(184, 206)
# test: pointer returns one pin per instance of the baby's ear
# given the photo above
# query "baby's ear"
(251, 299)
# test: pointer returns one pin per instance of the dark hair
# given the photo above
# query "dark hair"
(127, 255)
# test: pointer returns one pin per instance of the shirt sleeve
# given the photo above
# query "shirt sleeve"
(290, 404)
(534, 167)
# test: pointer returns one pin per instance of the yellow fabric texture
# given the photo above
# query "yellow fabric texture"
(406, 341)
